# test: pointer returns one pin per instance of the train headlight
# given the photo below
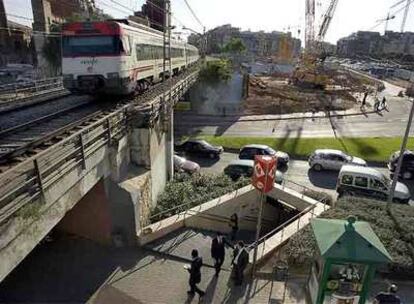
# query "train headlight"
(113, 75)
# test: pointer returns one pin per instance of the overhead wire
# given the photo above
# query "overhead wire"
(194, 14)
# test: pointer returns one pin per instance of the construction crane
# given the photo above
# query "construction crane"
(310, 73)
(388, 18)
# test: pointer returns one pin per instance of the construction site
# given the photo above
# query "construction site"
(314, 83)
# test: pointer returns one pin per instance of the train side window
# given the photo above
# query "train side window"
(140, 52)
(125, 45)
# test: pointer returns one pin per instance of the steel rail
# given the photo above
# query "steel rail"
(29, 180)
(42, 139)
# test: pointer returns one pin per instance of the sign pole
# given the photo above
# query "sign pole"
(258, 228)
(259, 224)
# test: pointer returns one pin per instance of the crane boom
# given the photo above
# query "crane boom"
(327, 18)
(407, 8)
(310, 23)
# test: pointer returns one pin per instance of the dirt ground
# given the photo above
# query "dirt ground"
(273, 95)
(277, 97)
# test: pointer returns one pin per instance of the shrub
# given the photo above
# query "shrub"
(190, 191)
(302, 248)
(216, 71)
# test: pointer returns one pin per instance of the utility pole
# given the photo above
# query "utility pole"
(168, 108)
(402, 151)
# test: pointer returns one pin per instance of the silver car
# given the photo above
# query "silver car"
(328, 159)
(183, 165)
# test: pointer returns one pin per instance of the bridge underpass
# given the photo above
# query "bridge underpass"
(115, 167)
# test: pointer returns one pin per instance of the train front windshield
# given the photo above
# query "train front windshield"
(76, 46)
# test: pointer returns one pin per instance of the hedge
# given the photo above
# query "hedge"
(395, 230)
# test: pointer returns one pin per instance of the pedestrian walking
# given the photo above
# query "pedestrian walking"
(383, 104)
(234, 224)
(218, 251)
(364, 100)
(389, 297)
(376, 105)
(195, 273)
(240, 261)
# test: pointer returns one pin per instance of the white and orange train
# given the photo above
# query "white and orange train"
(118, 57)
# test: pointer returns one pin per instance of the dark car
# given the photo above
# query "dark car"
(239, 168)
(249, 152)
(199, 148)
(407, 167)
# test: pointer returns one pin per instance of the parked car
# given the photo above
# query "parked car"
(244, 167)
(200, 148)
(327, 159)
(407, 166)
(370, 183)
(250, 151)
(183, 165)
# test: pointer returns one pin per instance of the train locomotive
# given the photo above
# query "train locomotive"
(118, 57)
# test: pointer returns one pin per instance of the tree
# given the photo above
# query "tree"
(235, 46)
(216, 71)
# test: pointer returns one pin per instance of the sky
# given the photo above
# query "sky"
(266, 15)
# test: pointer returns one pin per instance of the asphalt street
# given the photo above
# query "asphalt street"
(298, 172)
(361, 124)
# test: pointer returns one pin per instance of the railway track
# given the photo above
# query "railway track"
(26, 140)
(44, 131)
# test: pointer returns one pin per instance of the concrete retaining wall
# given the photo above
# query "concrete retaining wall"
(22, 233)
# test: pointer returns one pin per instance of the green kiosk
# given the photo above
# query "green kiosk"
(349, 252)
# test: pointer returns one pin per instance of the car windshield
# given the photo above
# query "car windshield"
(347, 157)
(205, 144)
(386, 181)
(270, 151)
(87, 45)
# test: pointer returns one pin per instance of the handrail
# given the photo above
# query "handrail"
(288, 222)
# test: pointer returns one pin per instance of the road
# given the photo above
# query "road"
(387, 123)
(298, 172)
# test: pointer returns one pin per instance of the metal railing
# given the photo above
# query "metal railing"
(305, 191)
(281, 228)
(28, 181)
(17, 91)
(184, 208)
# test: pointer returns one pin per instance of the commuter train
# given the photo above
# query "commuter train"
(118, 57)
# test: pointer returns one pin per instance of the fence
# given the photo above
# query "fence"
(17, 91)
(28, 181)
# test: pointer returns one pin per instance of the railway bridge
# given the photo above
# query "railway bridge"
(97, 179)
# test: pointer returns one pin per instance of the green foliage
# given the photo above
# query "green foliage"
(191, 191)
(234, 46)
(216, 71)
(29, 211)
(52, 49)
(302, 246)
(369, 148)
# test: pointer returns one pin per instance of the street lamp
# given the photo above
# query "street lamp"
(402, 151)
(203, 36)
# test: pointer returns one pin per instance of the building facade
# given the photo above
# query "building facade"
(275, 45)
(15, 41)
(373, 44)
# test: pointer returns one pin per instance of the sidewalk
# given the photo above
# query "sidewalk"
(273, 117)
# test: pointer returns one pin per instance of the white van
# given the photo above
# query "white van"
(370, 183)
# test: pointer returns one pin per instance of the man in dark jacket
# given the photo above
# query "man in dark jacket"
(240, 261)
(218, 251)
(195, 273)
(389, 297)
